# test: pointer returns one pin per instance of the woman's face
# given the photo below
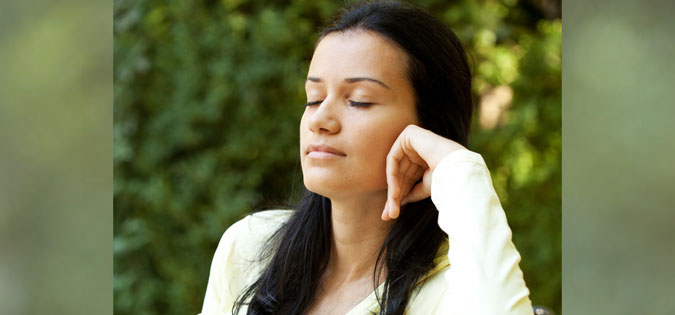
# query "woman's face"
(359, 100)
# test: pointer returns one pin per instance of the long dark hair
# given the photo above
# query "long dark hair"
(299, 251)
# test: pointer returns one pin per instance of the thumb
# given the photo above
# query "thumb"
(421, 191)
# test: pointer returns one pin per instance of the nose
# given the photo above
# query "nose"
(325, 118)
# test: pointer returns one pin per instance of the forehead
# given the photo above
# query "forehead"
(358, 53)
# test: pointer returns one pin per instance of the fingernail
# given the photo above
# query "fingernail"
(391, 212)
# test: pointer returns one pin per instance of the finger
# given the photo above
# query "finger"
(408, 148)
(404, 166)
(403, 170)
(393, 211)
(411, 174)
(394, 208)
(407, 181)
(404, 177)
(403, 162)
(421, 191)
(391, 202)
(418, 193)
(385, 212)
(394, 157)
(419, 172)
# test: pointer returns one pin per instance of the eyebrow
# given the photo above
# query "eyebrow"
(352, 80)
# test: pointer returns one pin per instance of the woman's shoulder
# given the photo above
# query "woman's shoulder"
(264, 219)
(236, 262)
(255, 229)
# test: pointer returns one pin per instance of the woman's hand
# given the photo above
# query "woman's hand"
(414, 155)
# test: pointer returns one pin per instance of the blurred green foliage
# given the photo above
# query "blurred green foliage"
(56, 62)
(618, 157)
(207, 101)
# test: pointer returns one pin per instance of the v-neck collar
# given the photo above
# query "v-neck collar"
(370, 304)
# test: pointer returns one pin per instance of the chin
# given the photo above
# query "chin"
(323, 188)
(328, 185)
(332, 188)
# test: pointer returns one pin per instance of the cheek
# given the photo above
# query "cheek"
(303, 139)
(374, 148)
(375, 161)
(303, 131)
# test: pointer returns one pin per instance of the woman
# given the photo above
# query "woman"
(398, 216)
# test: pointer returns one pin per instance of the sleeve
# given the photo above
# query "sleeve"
(218, 299)
(484, 276)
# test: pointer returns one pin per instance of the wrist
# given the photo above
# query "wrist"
(444, 150)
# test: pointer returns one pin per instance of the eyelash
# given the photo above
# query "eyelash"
(355, 104)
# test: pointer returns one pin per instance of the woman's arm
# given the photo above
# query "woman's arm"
(484, 276)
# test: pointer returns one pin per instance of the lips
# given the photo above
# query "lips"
(324, 148)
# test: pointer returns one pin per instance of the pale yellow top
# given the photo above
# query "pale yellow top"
(479, 274)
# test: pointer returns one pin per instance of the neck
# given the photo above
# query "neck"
(358, 234)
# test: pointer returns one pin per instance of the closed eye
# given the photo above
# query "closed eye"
(353, 103)
(360, 104)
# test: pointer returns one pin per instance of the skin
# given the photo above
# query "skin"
(385, 153)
